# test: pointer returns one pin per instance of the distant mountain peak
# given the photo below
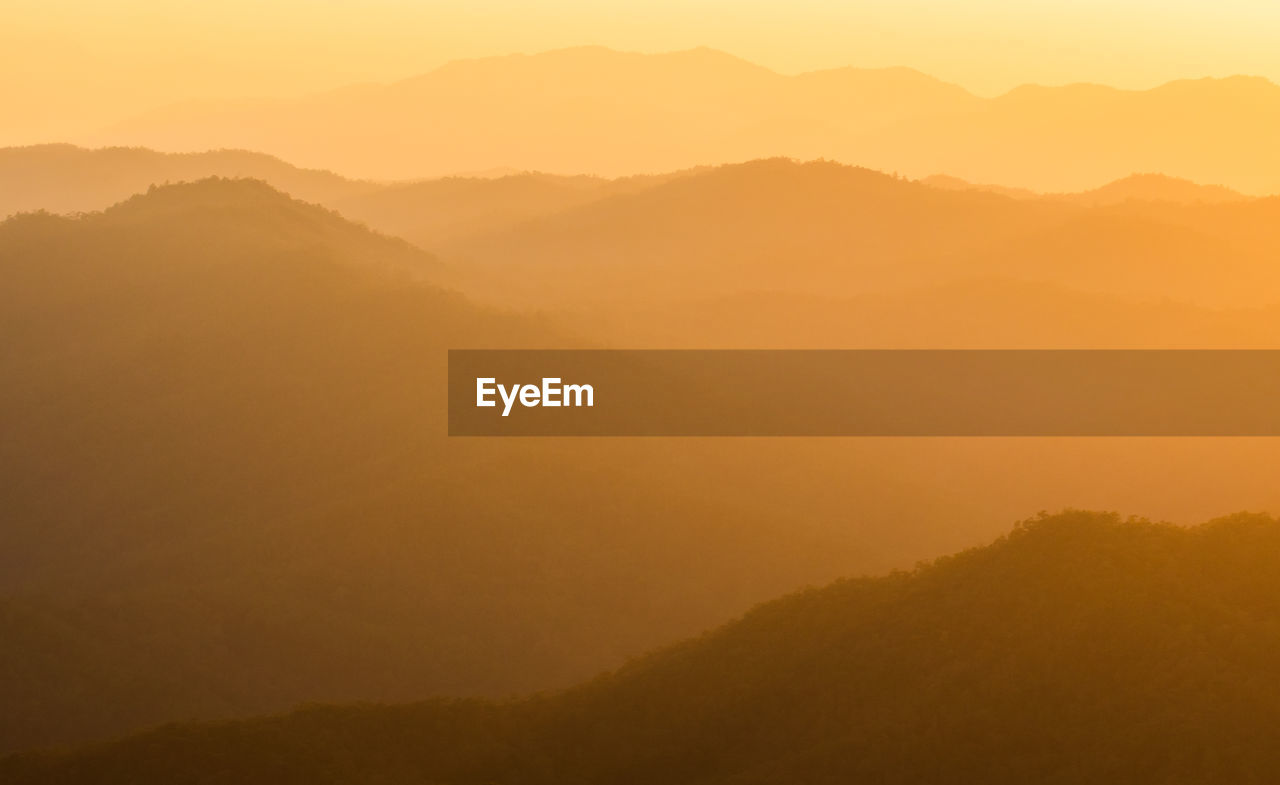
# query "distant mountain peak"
(1154, 187)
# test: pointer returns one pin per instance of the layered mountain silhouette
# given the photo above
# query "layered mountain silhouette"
(1135, 187)
(227, 487)
(611, 113)
(850, 230)
(62, 178)
(1079, 648)
(65, 179)
(1155, 188)
(586, 109)
(821, 228)
(434, 213)
(228, 490)
(949, 183)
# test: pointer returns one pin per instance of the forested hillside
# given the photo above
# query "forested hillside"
(1079, 648)
(225, 447)
(227, 488)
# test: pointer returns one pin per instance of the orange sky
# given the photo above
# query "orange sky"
(73, 65)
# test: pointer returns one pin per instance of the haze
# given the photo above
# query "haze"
(73, 66)
(238, 239)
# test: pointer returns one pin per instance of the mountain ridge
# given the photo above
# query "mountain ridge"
(955, 670)
(65, 178)
(820, 227)
(601, 111)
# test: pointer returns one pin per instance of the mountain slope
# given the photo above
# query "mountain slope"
(227, 487)
(949, 183)
(202, 387)
(1135, 187)
(1155, 188)
(773, 225)
(62, 178)
(1069, 138)
(821, 228)
(433, 213)
(1078, 648)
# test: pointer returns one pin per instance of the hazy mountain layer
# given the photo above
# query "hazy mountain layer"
(825, 229)
(62, 178)
(1135, 187)
(611, 113)
(727, 228)
(433, 213)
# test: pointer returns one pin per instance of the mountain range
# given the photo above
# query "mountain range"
(237, 544)
(821, 228)
(598, 111)
(244, 391)
(63, 178)
(815, 228)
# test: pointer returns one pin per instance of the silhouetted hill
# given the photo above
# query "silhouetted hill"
(1155, 188)
(1135, 187)
(435, 212)
(594, 110)
(949, 183)
(227, 487)
(1079, 648)
(1057, 138)
(773, 225)
(450, 212)
(62, 178)
(821, 228)
(223, 410)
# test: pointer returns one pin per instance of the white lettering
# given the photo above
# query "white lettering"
(529, 395)
(549, 389)
(508, 400)
(577, 391)
(549, 393)
(484, 388)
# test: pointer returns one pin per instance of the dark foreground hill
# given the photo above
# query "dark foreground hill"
(1079, 648)
(205, 390)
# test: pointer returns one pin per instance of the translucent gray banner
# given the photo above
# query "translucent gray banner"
(864, 393)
